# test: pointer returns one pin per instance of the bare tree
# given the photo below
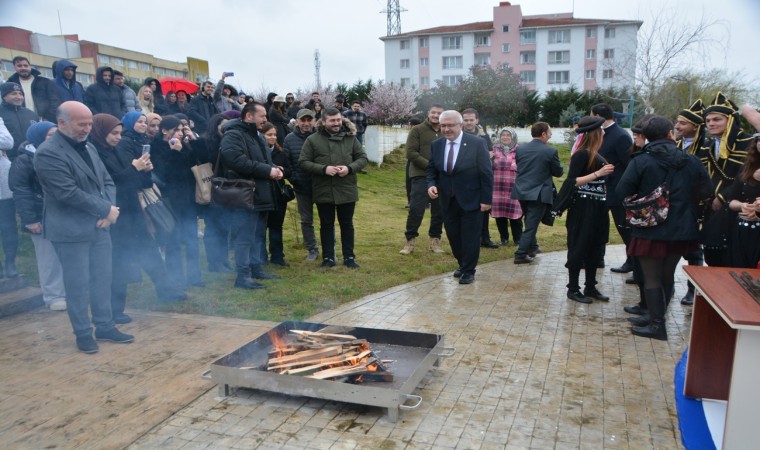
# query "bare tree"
(669, 42)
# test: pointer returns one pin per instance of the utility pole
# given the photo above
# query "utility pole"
(393, 11)
(317, 65)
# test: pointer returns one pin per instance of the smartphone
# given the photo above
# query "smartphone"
(230, 74)
(146, 149)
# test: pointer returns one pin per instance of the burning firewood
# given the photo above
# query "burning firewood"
(326, 356)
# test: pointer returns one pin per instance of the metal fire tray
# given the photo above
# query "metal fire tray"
(414, 354)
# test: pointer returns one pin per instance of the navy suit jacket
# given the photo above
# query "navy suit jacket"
(537, 163)
(471, 181)
(76, 197)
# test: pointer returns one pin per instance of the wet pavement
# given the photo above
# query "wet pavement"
(531, 370)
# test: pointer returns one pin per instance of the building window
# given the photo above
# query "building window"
(609, 32)
(562, 57)
(171, 73)
(452, 42)
(528, 57)
(590, 74)
(527, 37)
(452, 62)
(160, 70)
(505, 48)
(559, 77)
(132, 64)
(404, 44)
(406, 82)
(423, 42)
(559, 36)
(104, 59)
(609, 53)
(404, 63)
(482, 59)
(84, 78)
(8, 66)
(591, 33)
(608, 74)
(118, 61)
(424, 81)
(591, 53)
(482, 40)
(505, 28)
(504, 66)
(452, 80)
(145, 67)
(528, 76)
(47, 73)
(424, 62)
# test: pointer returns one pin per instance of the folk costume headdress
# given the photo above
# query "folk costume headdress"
(722, 105)
(694, 114)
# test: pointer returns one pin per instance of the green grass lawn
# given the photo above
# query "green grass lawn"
(305, 288)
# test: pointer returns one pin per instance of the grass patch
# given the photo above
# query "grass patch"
(306, 289)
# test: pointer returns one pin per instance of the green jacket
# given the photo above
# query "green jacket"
(418, 147)
(343, 149)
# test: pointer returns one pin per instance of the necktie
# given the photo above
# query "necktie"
(450, 159)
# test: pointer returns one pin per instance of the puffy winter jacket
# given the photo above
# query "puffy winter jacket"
(104, 98)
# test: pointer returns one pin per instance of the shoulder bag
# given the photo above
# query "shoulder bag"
(652, 209)
(203, 174)
(232, 192)
(159, 216)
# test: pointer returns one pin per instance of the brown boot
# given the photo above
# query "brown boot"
(435, 246)
(408, 248)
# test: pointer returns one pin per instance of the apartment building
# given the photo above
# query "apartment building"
(42, 50)
(551, 51)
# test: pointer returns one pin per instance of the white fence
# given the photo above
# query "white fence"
(381, 140)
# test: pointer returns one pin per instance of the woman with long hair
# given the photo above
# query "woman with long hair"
(743, 199)
(145, 99)
(173, 159)
(277, 217)
(505, 211)
(318, 108)
(588, 220)
(171, 103)
(659, 248)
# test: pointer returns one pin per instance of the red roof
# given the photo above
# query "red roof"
(538, 22)
(476, 26)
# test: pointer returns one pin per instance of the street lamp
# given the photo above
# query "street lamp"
(686, 80)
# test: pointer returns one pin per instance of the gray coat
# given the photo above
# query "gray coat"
(130, 99)
(75, 196)
(537, 163)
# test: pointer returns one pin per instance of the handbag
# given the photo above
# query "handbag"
(203, 174)
(232, 192)
(650, 210)
(159, 216)
(287, 192)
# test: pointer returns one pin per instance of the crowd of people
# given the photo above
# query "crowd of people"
(83, 167)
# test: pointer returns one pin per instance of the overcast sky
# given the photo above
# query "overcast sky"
(271, 43)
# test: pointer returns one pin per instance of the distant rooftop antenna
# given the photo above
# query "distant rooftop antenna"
(317, 65)
(393, 11)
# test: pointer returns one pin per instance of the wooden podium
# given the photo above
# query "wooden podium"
(724, 351)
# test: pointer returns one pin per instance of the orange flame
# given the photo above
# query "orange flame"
(278, 343)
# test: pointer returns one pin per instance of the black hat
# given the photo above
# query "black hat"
(694, 113)
(723, 105)
(8, 87)
(597, 123)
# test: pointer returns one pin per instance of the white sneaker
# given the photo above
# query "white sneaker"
(59, 305)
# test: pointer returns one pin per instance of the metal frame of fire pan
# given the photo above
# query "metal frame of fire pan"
(414, 354)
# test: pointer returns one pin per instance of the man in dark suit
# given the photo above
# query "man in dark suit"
(616, 150)
(459, 172)
(537, 163)
(80, 200)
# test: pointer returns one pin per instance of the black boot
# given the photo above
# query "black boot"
(641, 308)
(656, 327)
(244, 281)
(640, 321)
(257, 271)
(688, 299)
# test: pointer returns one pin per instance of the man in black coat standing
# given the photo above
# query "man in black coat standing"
(202, 107)
(80, 207)
(616, 150)
(16, 117)
(40, 93)
(537, 163)
(459, 173)
(103, 96)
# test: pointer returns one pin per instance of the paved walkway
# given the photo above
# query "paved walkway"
(531, 370)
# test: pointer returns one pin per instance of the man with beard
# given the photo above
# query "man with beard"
(65, 73)
(333, 156)
(202, 107)
(103, 96)
(80, 207)
(302, 180)
(40, 93)
(418, 154)
(130, 97)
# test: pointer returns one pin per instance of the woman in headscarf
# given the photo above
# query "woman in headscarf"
(28, 199)
(154, 122)
(173, 159)
(133, 135)
(588, 221)
(506, 211)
